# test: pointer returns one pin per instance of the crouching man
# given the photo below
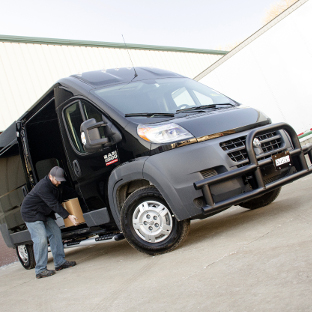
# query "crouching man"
(38, 211)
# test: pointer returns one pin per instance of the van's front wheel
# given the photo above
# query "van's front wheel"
(148, 223)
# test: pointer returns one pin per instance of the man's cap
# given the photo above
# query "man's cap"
(58, 173)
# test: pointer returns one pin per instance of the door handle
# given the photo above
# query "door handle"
(77, 169)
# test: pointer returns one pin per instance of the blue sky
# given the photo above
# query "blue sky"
(206, 24)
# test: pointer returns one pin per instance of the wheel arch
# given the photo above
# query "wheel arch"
(124, 179)
(131, 176)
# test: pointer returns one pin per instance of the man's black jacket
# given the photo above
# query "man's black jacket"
(44, 200)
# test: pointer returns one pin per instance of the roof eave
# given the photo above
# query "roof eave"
(69, 42)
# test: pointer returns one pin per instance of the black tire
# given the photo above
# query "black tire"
(25, 254)
(261, 201)
(153, 230)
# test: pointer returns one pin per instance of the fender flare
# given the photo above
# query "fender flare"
(124, 173)
(141, 169)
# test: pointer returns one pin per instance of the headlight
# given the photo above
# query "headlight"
(165, 133)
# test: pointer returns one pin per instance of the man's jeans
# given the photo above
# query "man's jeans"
(39, 232)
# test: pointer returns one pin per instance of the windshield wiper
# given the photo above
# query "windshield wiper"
(150, 115)
(203, 107)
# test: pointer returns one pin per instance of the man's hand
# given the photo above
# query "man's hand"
(73, 219)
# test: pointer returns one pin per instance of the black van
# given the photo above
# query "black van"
(147, 150)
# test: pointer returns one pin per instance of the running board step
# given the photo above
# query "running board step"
(95, 240)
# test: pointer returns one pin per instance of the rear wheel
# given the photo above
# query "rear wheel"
(261, 201)
(25, 254)
(148, 223)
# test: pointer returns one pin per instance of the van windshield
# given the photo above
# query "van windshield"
(167, 95)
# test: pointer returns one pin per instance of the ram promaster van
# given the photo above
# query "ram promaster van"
(147, 150)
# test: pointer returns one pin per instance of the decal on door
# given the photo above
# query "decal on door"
(111, 158)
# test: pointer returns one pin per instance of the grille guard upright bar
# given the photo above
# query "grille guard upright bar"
(254, 167)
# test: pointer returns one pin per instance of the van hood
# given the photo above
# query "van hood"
(237, 119)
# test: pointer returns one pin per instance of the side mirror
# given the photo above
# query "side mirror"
(90, 135)
(91, 138)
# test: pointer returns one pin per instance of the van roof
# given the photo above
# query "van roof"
(122, 75)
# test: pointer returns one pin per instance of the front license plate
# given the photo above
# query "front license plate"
(281, 160)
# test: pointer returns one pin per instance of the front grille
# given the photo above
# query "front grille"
(236, 148)
(270, 141)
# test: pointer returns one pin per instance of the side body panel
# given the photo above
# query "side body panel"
(11, 188)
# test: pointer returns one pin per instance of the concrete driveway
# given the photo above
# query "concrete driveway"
(239, 260)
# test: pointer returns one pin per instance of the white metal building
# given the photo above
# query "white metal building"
(272, 69)
(30, 66)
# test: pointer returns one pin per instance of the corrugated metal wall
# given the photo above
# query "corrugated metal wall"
(28, 70)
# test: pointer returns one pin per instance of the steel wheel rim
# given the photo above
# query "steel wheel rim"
(152, 221)
(22, 252)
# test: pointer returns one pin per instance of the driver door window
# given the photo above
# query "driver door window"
(73, 120)
(91, 112)
(75, 115)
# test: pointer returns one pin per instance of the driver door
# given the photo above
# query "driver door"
(89, 171)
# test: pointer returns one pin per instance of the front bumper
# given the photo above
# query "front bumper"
(254, 168)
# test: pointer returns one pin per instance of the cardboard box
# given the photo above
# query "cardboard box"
(73, 207)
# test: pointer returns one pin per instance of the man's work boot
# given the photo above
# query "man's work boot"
(65, 265)
(45, 273)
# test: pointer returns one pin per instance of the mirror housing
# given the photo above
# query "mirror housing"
(91, 138)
